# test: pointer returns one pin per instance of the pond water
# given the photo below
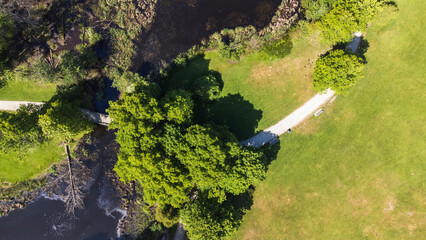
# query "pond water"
(181, 24)
(46, 219)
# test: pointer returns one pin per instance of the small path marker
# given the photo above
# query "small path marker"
(319, 112)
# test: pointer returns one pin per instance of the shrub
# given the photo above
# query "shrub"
(232, 43)
(90, 35)
(122, 49)
(316, 9)
(279, 48)
(338, 71)
(387, 12)
(127, 82)
(207, 87)
(167, 215)
(20, 130)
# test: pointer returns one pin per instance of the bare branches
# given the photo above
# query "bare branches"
(74, 198)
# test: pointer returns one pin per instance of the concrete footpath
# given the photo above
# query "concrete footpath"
(95, 117)
(272, 133)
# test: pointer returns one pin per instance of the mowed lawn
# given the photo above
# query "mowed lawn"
(17, 167)
(359, 170)
(27, 91)
(276, 87)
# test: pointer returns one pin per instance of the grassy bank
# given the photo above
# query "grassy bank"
(357, 171)
(35, 161)
(275, 87)
(27, 91)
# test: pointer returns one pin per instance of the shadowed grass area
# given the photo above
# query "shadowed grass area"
(27, 91)
(358, 170)
(276, 87)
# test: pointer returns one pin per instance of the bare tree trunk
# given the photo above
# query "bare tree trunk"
(74, 198)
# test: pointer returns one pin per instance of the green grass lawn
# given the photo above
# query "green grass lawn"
(257, 88)
(17, 167)
(27, 91)
(358, 171)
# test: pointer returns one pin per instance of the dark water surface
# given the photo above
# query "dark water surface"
(181, 24)
(46, 219)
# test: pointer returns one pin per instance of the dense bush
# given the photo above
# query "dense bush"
(347, 17)
(206, 218)
(19, 130)
(121, 49)
(207, 87)
(127, 81)
(338, 71)
(7, 32)
(89, 36)
(232, 43)
(316, 9)
(64, 120)
(167, 215)
(67, 72)
(279, 48)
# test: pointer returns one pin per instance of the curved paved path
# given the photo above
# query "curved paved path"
(271, 134)
(296, 117)
(14, 105)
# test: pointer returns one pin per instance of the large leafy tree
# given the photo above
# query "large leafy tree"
(63, 120)
(206, 218)
(19, 130)
(337, 70)
(346, 17)
(172, 157)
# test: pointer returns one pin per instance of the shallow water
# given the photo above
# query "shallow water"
(46, 219)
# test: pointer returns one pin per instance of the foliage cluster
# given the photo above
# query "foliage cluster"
(232, 43)
(129, 17)
(63, 120)
(316, 9)
(19, 130)
(205, 219)
(7, 32)
(128, 14)
(279, 48)
(346, 17)
(126, 82)
(121, 49)
(67, 72)
(60, 118)
(337, 70)
(174, 158)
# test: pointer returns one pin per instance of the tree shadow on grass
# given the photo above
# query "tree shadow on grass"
(232, 110)
(238, 114)
(183, 76)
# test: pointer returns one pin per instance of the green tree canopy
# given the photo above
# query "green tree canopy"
(170, 157)
(19, 130)
(206, 218)
(63, 120)
(207, 87)
(337, 70)
(127, 81)
(347, 17)
(316, 9)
